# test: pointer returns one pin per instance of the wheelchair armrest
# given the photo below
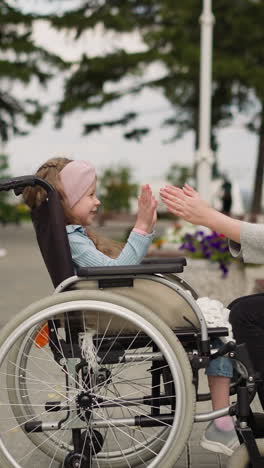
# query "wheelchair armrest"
(164, 260)
(130, 270)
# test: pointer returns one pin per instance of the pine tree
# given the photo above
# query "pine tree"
(171, 33)
(21, 61)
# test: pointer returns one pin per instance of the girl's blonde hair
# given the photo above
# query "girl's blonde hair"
(35, 196)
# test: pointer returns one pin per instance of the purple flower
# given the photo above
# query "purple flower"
(214, 247)
(224, 269)
(199, 234)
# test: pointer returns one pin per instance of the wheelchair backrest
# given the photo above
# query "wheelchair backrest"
(49, 224)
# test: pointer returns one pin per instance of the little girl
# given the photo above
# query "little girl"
(75, 182)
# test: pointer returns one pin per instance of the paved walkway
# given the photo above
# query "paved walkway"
(24, 279)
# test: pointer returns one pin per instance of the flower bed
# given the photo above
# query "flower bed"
(213, 247)
(199, 243)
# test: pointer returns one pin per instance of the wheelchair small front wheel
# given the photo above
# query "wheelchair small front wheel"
(75, 460)
(113, 386)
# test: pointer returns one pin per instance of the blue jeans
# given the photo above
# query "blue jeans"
(221, 366)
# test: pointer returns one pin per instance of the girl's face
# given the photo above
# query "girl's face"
(85, 209)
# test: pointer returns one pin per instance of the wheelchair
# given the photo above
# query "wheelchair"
(105, 372)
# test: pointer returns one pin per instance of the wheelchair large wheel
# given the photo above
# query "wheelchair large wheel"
(240, 458)
(19, 393)
(101, 404)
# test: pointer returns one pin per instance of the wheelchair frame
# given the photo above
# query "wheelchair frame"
(154, 270)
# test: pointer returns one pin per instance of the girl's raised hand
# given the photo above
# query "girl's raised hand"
(186, 203)
(147, 210)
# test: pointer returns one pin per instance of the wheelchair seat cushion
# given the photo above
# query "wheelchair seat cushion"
(159, 298)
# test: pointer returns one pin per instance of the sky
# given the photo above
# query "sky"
(148, 160)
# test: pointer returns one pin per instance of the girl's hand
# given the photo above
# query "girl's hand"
(187, 204)
(147, 210)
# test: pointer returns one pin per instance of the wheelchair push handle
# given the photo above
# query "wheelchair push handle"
(19, 183)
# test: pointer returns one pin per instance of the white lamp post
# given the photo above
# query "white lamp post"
(204, 156)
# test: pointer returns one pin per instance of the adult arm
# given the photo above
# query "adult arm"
(246, 239)
(251, 245)
(187, 204)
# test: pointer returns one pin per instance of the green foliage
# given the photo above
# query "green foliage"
(4, 205)
(88, 128)
(178, 175)
(171, 33)
(136, 134)
(10, 213)
(21, 61)
(3, 174)
(117, 189)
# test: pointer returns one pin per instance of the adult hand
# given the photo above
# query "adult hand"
(147, 210)
(187, 204)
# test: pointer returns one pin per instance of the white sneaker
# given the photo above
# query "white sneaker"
(219, 441)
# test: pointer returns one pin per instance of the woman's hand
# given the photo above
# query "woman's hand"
(147, 210)
(187, 204)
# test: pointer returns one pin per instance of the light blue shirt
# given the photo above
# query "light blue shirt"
(85, 254)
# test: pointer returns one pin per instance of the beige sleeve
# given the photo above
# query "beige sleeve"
(251, 247)
(235, 249)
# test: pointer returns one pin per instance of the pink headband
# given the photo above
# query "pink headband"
(76, 178)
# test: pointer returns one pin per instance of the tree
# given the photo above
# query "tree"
(3, 175)
(170, 32)
(178, 174)
(117, 189)
(21, 61)
(6, 210)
